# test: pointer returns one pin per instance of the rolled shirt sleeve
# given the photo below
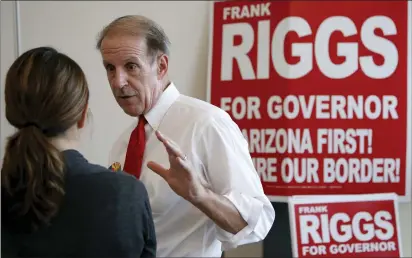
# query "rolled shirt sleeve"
(230, 172)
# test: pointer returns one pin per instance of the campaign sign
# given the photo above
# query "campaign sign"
(321, 90)
(345, 226)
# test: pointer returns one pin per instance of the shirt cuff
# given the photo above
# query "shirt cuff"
(250, 209)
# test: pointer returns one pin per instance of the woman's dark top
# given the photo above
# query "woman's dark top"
(104, 214)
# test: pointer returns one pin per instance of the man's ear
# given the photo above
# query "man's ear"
(162, 66)
(83, 118)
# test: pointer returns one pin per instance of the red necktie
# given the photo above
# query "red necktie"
(135, 149)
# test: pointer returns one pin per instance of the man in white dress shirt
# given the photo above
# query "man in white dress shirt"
(204, 191)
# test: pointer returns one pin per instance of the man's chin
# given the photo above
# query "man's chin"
(133, 114)
(130, 111)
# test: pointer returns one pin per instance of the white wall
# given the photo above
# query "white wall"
(8, 54)
(72, 27)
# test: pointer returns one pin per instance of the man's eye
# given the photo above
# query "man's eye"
(110, 68)
(132, 66)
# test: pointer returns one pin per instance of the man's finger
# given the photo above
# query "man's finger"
(183, 163)
(170, 146)
(158, 169)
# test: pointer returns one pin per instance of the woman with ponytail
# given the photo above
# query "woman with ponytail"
(54, 203)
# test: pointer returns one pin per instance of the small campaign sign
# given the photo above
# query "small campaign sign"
(345, 226)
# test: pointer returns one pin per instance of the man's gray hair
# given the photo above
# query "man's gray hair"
(137, 25)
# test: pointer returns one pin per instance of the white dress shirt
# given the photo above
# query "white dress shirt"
(219, 153)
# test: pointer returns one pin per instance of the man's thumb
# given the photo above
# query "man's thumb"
(158, 169)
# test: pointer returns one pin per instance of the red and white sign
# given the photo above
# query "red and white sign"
(320, 89)
(345, 226)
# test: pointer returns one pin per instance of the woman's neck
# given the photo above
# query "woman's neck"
(68, 140)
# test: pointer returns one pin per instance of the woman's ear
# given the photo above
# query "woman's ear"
(83, 118)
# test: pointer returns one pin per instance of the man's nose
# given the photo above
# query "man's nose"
(120, 79)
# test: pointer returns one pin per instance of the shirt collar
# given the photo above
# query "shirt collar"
(156, 114)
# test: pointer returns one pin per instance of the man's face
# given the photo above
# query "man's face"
(135, 78)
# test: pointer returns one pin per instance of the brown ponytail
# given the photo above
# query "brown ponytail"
(46, 93)
(35, 175)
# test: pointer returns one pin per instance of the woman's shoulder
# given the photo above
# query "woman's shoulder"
(118, 179)
(90, 176)
(103, 179)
